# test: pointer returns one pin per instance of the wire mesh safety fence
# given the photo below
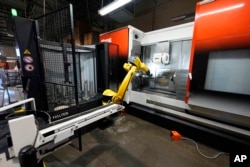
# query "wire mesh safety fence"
(56, 43)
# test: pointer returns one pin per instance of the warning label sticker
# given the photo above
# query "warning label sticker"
(27, 59)
(27, 52)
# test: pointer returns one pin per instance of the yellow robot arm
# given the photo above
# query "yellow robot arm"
(131, 67)
(140, 65)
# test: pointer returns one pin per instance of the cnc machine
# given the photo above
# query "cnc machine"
(199, 74)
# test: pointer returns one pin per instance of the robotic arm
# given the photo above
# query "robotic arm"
(31, 145)
(134, 64)
(140, 65)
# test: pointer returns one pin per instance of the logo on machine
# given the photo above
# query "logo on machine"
(107, 40)
(60, 115)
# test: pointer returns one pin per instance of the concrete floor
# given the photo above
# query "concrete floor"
(133, 142)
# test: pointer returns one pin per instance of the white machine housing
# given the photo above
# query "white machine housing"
(168, 105)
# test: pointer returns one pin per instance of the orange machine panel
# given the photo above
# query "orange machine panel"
(118, 37)
(222, 24)
(219, 25)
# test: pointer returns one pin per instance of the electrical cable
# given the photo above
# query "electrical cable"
(206, 156)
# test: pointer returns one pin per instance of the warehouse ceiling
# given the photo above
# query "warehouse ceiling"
(88, 10)
(84, 10)
(24, 8)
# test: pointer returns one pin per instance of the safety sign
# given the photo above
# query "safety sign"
(27, 59)
(26, 52)
(29, 67)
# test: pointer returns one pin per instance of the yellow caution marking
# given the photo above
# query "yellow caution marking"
(20, 110)
(26, 52)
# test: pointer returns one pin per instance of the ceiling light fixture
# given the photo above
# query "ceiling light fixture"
(112, 6)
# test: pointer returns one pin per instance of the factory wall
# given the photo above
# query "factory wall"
(9, 52)
(159, 16)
